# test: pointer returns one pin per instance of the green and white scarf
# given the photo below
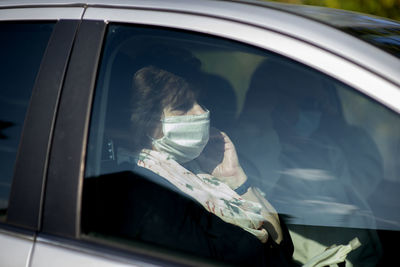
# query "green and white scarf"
(214, 195)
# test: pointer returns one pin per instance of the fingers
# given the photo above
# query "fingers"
(226, 137)
(220, 139)
(217, 134)
(216, 139)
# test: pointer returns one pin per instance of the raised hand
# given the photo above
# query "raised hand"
(219, 158)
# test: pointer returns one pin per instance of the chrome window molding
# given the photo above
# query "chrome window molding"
(368, 82)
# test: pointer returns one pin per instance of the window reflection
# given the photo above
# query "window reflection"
(319, 167)
(22, 46)
(387, 39)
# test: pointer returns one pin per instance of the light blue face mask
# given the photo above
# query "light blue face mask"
(184, 136)
(307, 123)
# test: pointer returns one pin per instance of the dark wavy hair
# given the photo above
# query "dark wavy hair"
(155, 89)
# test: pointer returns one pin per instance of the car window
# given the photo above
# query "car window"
(22, 46)
(209, 147)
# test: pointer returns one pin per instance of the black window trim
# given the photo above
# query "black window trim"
(61, 214)
(25, 203)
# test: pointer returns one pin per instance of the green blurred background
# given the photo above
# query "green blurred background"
(384, 8)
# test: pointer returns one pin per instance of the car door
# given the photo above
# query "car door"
(94, 210)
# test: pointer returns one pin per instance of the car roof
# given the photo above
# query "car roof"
(315, 25)
(335, 17)
(331, 16)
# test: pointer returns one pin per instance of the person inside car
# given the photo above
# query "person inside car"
(172, 140)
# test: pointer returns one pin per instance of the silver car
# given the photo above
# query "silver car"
(307, 97)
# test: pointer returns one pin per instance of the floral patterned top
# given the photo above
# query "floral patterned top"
(215, 196)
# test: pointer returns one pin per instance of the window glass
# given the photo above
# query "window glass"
(22, 46)
(208, 147)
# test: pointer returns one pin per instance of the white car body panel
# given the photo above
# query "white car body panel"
(50, 253)
(15, 249)
(42, 13)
